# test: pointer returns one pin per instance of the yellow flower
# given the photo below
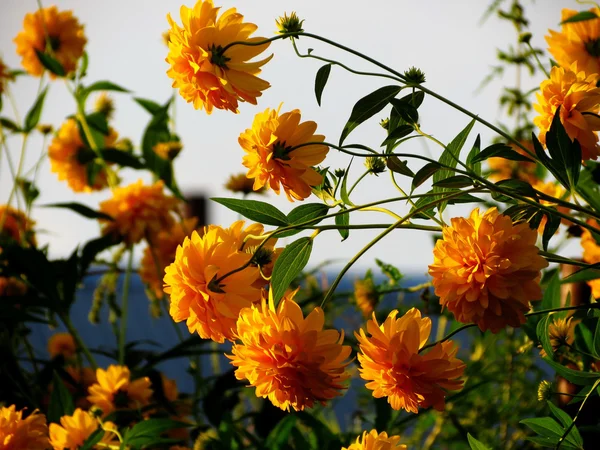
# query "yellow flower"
(204, 439)
(391, 362)
(270, 158)
(211, 309)
(17, 433)
(62, 344)
(115, 390)
(289, 24)
(168, 150)
(241, 183)
(70, 157)
(161, 251)
(561, 332)
(486, 270)
(15, 225)
(74, 430)
(5, 76)
(65, 36)
(591, 255)
(288, 358)
(138, 211)
(577, 42)
(206, 74)
(12, 287)
(376, 441)
(506, 169)
(366, 295)
(105, 105)
(575, 92)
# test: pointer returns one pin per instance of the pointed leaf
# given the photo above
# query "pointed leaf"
(424, 173)
(255, 210)
(475, 444)
(458, 181)
(321, 81)
(475, 150)
(289, 265)
(343, 220)
(580, 17)
(61, 402)
(500, 151)
(33, 115)
(80, 209)
(396, 165)
(574, 376)
(51, 63)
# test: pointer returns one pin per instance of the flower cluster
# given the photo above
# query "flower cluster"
(18, 433)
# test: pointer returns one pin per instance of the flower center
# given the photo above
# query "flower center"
(280, 151)
(218, 57)
(121, 399)
(593, 47)
(54, 43)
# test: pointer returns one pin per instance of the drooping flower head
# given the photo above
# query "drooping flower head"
(139, 211)
(376, 441)
(62, 344)
(161, 252)
(5, 76)
(591, 255)
(70, 158)
(74, 430)
(242, 184)
(210, 305)
(288, 358)
(65, 36)
(506, 169)
(576, 94)
(577, 42)
(366, 295)
(205, 73)
(391, 363)
(15, 225)
(17, 433)
(114, 389)
(271, 159)
(486, 270)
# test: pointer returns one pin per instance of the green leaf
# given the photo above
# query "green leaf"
(280, 434)
(9, 124)
(61, 402)
(368, 106)
(124, 159)
(344, 187)
(93, 439)
(80, 209)
(458, 181)
(83, 66)
(587, 187)
(255, 210)
(398, 133)
(99, 122)
(586, 274)
(552, 294)
(500, 151)
(92, 248)
(304, 213)
(580, 17)
(574, 376)
(33, 115)
(475, 444)
(396, 165)
(289, 265)
(149, 105)
(552, 224)
(407, 112)
(475, 150)
(544, 336)
(556, 169)
(424, 173)
(28, 190)
(149, 431)
(566, 421)
(565, 153)
(520, 187)
(103, 86)
(390, 271)
(321, 81)
(343, 220)
(596, 348)
(544, 426)
(51, 63)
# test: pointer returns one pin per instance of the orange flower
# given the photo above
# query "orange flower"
(577, 42)
(202, 70)
(289, 359)
(591, 255)
(271, 160)
(366, 295)
(391, 362)
(70, 158)
(5, 76)
(74, 430)
(17, 433)
(210, 308)
(138, 211)
(506, 169)
(376, 441)
(65, 38)
(62, 344)
(15, 225)
(575, 92)
(161, 251)
(115, 390)
(12, 287)
(486, 270)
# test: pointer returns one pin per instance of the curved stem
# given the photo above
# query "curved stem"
(358, 181)
(125, 308)
(572, 424)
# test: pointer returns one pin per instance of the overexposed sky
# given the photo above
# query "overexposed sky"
(443, 38)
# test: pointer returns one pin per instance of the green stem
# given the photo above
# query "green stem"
(572, 424)
(372, 226)
(125, 308)
(18, 174)
(358, 181)
(66, 320)
(541, 66)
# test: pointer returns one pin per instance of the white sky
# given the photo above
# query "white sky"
(443, 38)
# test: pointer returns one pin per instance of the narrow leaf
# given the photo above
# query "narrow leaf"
(257, 211)
(552, 224)
(51, 63)
(475, 150)
(475, 444)
(33, 115)
(543, 335)
(580, 17)
(81, 209)
(500, 151)
(289, 265)
(149, 105)
(458, 181)
(424, 173)
(61, 402)
(574, 376)
(396, 165)
(343, 220)
(321, 81)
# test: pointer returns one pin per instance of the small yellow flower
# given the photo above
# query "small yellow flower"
(289, 24)
(168, 150)
(62, 344)
(376, 441)
(75, 429)
(288, 358)
(204, 72)
(204, 439)
(45, 128)
(105, 105)
(375, 164)
(15, 225)
(241, 183)
(65, 36)
(575, 92)
(114, 389)
(545, 391)
(366, 295)
(561, 332)
(271, 159)
(17, 433)
(138, 212)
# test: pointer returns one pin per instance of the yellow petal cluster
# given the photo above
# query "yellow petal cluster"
(376, 441)
(575, 92)
(391, 363)
(290, 359)
(17, 433)
(75, 429)
(242, 184)
(65, 38)
(591, 255)
(366, 295)
(139, 211)
(205, 73)
(114, 389)
(486, 270)
(271, 160)
(62, 344)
